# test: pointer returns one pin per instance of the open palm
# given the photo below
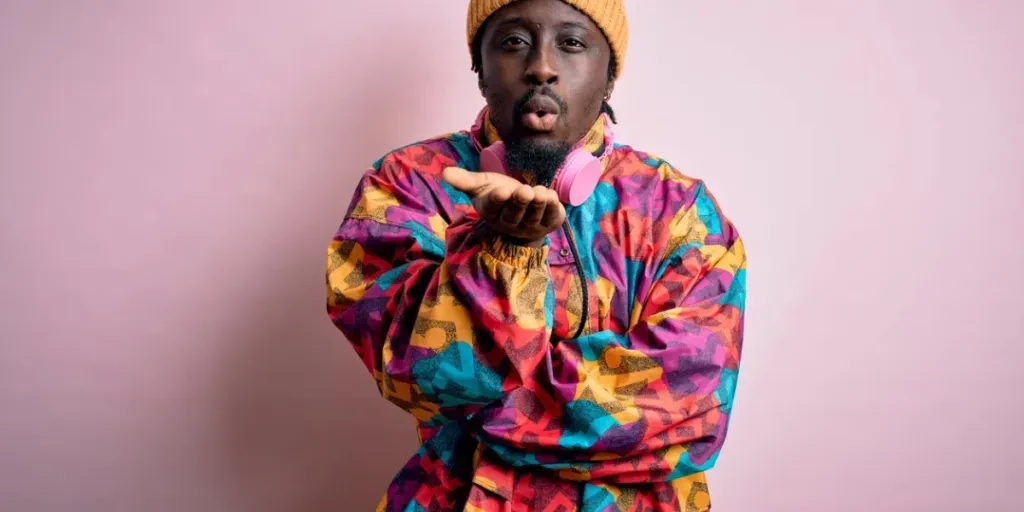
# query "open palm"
(524, 213)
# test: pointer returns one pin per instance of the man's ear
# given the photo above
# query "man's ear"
(608, 91)
(480, 85)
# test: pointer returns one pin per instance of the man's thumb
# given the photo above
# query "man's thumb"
(463, 180)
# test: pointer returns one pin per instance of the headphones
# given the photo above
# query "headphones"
(574, 181)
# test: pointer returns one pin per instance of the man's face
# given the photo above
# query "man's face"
(544, 72)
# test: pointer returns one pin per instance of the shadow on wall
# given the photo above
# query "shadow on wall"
(302, 427)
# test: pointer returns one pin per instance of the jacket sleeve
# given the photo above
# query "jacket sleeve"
(652, 404)
(446, 317)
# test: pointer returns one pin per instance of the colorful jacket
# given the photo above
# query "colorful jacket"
(533, 389)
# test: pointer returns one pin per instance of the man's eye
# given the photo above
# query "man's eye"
(572, 42)
(513, 41)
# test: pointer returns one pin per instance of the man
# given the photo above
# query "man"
(561, 347)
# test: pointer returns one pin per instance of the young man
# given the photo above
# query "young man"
(566, 332)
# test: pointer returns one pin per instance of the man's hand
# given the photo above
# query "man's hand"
(523, 213)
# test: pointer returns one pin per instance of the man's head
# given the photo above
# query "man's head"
(546, 69)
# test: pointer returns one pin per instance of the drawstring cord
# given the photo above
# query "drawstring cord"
(585, 318)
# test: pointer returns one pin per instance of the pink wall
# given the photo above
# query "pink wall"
(173, 170)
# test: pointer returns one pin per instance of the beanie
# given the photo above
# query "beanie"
(608, 15)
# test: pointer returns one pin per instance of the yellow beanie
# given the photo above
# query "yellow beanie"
(609, 15)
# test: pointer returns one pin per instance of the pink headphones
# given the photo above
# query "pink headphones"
(574, 181)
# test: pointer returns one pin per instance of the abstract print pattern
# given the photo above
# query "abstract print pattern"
(474, 337)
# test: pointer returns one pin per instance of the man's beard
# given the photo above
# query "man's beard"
(538, 162)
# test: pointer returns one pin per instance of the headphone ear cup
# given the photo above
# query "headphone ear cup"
(577, 178)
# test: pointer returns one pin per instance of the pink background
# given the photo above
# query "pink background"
(172, 172)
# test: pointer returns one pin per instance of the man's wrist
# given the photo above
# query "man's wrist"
(532, 244)
(489, 233)
(511, 250)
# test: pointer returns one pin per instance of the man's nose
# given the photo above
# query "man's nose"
(541, 69)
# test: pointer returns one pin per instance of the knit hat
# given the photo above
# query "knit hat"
(608, 15)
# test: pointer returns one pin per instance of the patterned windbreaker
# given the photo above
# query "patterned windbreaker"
(596, 373)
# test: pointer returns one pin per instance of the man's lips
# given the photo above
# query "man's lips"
(539, 122)
(540, 113)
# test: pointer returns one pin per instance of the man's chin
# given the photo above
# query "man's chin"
(539, 157)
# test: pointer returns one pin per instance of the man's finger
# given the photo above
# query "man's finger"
(535, 212)
(471, 183)
(554, 214)
(492, 202)
(516, 207)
